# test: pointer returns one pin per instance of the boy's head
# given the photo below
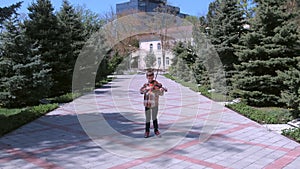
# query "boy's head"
(150, 76)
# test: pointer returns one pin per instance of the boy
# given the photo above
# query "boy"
(151, 90)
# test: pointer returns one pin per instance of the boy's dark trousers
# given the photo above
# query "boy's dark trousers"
(148, 113)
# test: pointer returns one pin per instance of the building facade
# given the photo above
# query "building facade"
(153, 48)
(134, 6)
(152, 45)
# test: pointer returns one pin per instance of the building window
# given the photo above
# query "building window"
(158, 46)
(167, 61)
(159, 61)
(142, 4)
(151, 47)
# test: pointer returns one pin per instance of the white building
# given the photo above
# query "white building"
(152, 45)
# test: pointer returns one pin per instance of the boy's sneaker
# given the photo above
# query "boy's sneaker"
(157, 133)
(146, 134)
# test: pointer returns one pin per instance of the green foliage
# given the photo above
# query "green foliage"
(91, 21)
(193, 19)
(181, 70)
(226, 20)
(290, 96)
(24, 78)
(292, 133)
(9, 112)
(271, 116)
(195, 87)
(167, 75)
(182, 62)
(150, 60)
(104, 68)
(7, 12)
(212, 11)
(277, 115)
(68, 97)
(204, 91)
(123, 65)
(208, 69)
(42, 30)
(192, 86)
(64, 98)
(71, 42)
(248, 8)
(114, 62)
(268, 47)
(41, 109)
(186, 52)
(37, 55)
(225, 28)
(198, 64)
(200, 72)
(104, 81)
(10, 121)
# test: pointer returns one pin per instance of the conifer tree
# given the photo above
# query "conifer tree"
(71, 40)
(24, 79)
(150, 60)
(291, 95)
(7, 12)
(226, 25)
(42, 30)
(212, 11)
(291, 78)
(269, 47)
(91, 21)
(183, 62)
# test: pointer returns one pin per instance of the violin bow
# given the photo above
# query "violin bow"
(157, 71)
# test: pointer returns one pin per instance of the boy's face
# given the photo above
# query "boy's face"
(150, 78)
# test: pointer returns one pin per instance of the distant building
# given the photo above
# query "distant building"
(134, 6)
(151, 43)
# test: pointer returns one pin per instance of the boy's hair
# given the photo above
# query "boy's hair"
(149, 73)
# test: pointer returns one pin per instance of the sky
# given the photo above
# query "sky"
(191, 7)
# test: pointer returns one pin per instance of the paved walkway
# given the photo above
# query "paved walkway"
(105, 130)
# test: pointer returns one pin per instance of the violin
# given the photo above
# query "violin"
(149, 97)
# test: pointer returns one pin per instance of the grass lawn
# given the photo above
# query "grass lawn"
(9, 112)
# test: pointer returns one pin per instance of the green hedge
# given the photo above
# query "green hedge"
(169, 76)
(13, 119)
(292, 133)
(64, 98)
(202, 89)
(271, 116)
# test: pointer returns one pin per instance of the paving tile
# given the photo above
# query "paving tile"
(293, 165)
(213, 138)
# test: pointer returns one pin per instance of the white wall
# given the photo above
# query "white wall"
(144, 51)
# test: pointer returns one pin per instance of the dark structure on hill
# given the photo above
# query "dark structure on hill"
(134, 6)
